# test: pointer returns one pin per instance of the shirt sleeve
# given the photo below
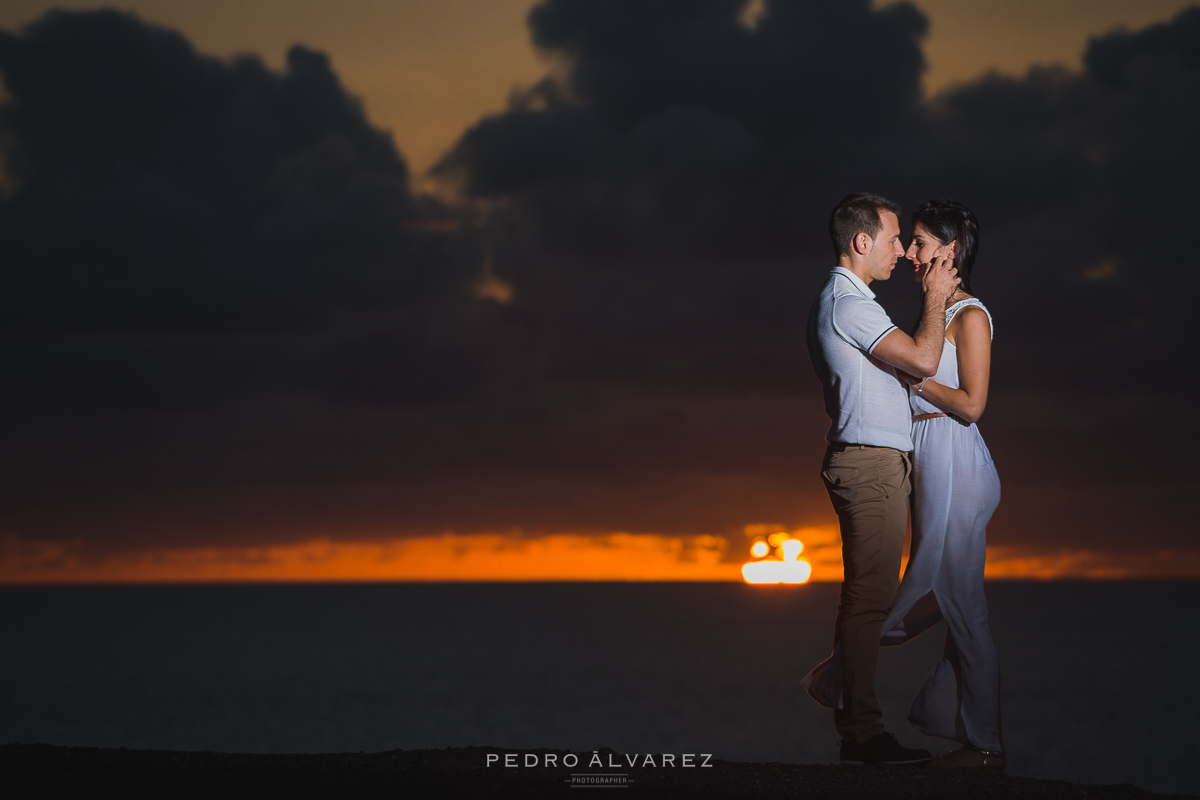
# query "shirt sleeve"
(861, 322)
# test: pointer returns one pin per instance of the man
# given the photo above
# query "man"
(856, 350)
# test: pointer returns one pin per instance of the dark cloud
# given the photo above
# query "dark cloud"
(1082, 176)
(676, 131)
(176, 217)
(698, 153)
(205, 263)
(678, 168)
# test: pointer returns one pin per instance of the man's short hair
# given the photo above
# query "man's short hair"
(857, 213)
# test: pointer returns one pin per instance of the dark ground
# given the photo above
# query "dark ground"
(47, 770)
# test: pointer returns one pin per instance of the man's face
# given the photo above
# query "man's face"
(885, 249)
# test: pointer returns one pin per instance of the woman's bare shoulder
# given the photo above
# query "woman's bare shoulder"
(971, 320)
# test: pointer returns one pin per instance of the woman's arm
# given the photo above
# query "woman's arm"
(974, 345)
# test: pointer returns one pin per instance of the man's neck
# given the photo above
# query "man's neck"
(858, 268)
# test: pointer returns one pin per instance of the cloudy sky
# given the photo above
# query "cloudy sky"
(486, 287)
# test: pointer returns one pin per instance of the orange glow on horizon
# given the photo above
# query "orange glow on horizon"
(1023, 564)
(450, 557)
(511, 557)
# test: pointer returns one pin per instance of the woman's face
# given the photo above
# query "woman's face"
(924, 249)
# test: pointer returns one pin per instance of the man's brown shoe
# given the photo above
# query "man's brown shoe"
(882, 748)
(970, 759)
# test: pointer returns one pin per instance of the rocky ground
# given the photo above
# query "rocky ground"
(465, 772)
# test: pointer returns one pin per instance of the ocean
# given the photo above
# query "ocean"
(1099, 679)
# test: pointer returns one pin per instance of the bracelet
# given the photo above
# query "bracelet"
(922, 386)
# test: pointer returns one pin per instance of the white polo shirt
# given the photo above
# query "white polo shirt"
(865, 400)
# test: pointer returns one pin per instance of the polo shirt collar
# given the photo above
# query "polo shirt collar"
(857, 281)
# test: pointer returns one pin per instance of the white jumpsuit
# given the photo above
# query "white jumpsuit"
(955, 491)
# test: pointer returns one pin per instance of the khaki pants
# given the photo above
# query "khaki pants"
(869, 487)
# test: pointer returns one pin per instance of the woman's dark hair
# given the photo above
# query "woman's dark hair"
(948, 221)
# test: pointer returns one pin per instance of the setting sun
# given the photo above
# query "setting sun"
(786, 567)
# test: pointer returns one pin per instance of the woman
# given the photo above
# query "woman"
(955, 491)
